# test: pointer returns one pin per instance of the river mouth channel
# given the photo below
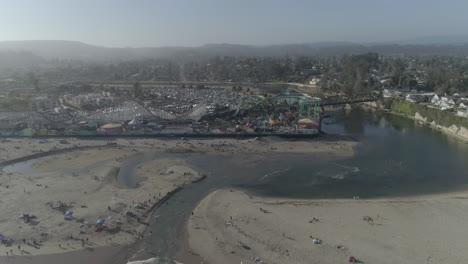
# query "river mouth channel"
(395, 157)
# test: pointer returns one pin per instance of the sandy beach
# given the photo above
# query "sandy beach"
(91, 195)
(15, 148)
(427, 229)
(82, 178)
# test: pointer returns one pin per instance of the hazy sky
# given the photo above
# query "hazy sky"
(140, 23)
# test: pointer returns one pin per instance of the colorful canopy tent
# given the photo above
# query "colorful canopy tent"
(111, 128)
(305, 121)
(308, 123)
(100, 222)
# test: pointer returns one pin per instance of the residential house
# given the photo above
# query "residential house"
(314, 81)
(447, 99)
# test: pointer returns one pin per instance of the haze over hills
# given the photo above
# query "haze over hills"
(435, 40)
(33, 52)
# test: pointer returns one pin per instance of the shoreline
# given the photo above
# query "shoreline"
(102, 191)
(444, 130)
(48, 153)
(106, 254)
(84, 156)
(321, 138)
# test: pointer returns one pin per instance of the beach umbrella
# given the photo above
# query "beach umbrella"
(100, 222)
(68, 213)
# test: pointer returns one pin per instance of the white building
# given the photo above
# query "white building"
(463, 112)
(314, 81)
(435, 100)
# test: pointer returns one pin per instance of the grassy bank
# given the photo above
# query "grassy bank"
(441, 118)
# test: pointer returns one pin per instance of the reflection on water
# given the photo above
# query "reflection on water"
(397, 157)
(28, 166)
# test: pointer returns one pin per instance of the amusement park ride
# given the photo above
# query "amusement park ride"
(306, 105)
(308, 110)
(288, 113)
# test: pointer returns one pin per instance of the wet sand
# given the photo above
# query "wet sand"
(101, 255)
(17, 148)
(90, 191)
(426, 229)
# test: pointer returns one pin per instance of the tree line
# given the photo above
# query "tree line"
(347, 74)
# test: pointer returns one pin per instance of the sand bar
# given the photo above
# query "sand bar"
(429, 229)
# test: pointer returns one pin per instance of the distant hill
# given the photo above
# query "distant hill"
(72, 50)
(435, 40)
(58, 49)
(15, 59)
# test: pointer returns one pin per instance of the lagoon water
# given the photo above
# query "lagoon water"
(396, 157)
